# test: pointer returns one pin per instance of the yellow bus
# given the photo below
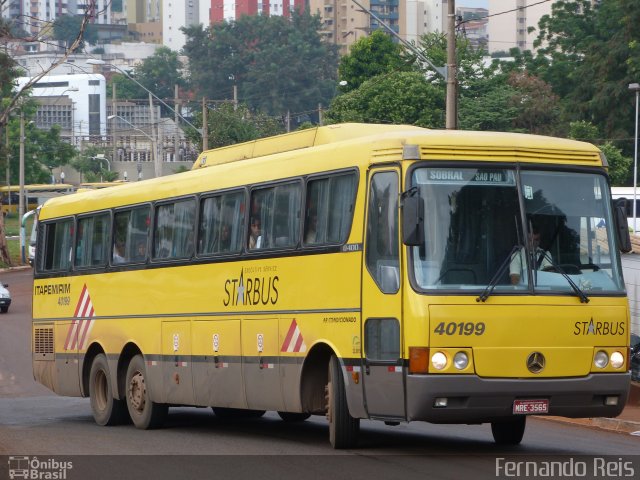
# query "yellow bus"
(354, 271)
(35, 195)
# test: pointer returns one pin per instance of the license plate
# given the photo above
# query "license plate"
(530, 407)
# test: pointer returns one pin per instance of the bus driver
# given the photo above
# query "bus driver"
(543, 258)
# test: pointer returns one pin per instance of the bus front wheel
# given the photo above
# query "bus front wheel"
(509, 432)
(106, 409)
(343, 428)
(144, 413)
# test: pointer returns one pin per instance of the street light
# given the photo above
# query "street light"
(100, 156)
(635, 87)
(157, 166)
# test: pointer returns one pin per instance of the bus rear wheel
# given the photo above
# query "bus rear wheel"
(509, 432)
(343, 428)
(106, 409)
(144, 413)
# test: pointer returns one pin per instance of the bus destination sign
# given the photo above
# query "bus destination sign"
(466, 176)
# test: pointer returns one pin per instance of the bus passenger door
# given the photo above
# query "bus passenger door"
(176, 364)
(381, 299)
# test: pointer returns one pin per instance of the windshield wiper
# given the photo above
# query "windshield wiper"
(576, 288)
(496, 276)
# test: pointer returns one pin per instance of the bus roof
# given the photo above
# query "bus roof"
(520, 146)
(329, 148)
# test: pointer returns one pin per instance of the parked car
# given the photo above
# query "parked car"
(635, 357)
(5, 298)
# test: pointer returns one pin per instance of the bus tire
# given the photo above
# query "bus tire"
(106, 409)
(509, 432)
(293, 416)
(144, 413)
(343, 428)
(236, 413)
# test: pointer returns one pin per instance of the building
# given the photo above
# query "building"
(511, 29)
(75, 102)
(41, 12)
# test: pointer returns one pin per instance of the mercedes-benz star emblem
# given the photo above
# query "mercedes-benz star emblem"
(535, 362)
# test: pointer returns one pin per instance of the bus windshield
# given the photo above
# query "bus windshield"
(553, 229)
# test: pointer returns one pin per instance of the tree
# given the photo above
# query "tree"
(592, 51)
(278, 64)
(536, 103)
(159, 73)
(43, 149)
(371, 56)
(619, 165)
(93, 169)
(228, 125)
(398, 97)
(66, 28)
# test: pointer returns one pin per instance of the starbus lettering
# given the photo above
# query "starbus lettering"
(251, 290)
(599, 328)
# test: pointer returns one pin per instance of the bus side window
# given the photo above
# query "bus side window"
(329, 208)
(173, 236)
(382, 256)
(58, 242)
(221, 224)
(275, 217)
(130, 230)
(92, 240)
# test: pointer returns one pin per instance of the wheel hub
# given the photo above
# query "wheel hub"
(137, 392)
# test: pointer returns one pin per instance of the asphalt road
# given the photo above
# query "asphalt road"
(35, 423)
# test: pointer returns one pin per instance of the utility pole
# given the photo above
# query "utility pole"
(235, 96)
(8, 172)
(205, 126)
(21, 174)
(452, 80)
(114, 112)
(176, 93)
(448, 72)
(320, 114)
(157, 167)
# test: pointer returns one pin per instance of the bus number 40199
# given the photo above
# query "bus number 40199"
(462, 328)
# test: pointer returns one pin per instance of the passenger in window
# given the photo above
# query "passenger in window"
(225, 238)
(311, 234)
(255, 233)
(141, 251)
(118, 252)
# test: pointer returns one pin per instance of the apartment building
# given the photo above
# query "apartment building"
(511, 29)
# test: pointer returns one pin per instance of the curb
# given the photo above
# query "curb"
(609, 424)
(17, 267)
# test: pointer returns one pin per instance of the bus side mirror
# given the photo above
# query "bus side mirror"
(622, 227)
(412, 220)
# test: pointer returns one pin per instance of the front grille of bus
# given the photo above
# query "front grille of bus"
(43, 343)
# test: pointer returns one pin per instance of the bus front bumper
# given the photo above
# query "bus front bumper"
(471, 399)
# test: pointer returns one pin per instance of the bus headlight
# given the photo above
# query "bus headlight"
(439, 360)
(601, 359)
(461, 360)
(617, 359)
